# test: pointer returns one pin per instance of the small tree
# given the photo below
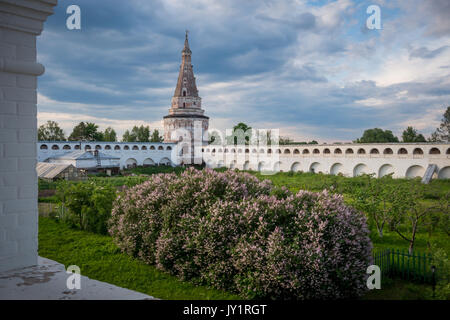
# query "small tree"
(86, 131)
(142, 133)
(377, 135)
(443, 132)
(285, 141)
(242, 134)
(411, 135)
(214, 138)
(441, 260)
(128, 137)
(374, 198)
(137, 134)
(109, 134)
(156, 137)
(50, 132)
(408, 208)
(434, 137)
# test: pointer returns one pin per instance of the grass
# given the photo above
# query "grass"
(436, 189)
(396, 289)
(392, 240)
(99, 259)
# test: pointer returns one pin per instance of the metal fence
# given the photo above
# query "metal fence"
(395, 263)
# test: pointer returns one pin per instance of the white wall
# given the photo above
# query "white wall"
(20, 22)
(302, 158)
(146, 151)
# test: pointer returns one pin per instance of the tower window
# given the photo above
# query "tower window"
(184, 105)
(184, 93)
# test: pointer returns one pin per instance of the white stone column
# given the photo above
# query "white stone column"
(21, 21)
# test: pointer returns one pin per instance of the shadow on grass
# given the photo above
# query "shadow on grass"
(100, 259)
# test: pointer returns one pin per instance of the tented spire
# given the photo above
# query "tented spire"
(186, 86)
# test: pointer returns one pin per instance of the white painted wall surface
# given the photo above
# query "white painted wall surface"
(140, 152)
(377, 158)
(20, 22)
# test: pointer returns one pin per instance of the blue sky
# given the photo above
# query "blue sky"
(309, 68)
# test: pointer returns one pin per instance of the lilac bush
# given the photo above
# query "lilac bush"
(234, 232)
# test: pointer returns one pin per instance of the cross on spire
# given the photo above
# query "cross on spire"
(186, 49)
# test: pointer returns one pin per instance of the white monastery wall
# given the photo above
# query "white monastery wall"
(139, 153)
(403, 159)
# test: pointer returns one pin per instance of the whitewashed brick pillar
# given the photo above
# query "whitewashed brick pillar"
(21, 21)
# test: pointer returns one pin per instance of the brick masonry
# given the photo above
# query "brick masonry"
(21, 21)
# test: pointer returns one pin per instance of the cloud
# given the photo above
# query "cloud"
(425, 53)
(304, 21)
(439, 10)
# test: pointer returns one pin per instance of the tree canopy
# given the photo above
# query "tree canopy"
(142, 134)
(109, 134)
(411, 135)
(377, 135)
(86, 131)
(242, 134)
(443, 132)
(50, 132)
(156, 137)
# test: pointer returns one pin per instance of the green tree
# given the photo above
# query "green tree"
(264, 137)
(142, 133)
(242, 134)
(86, 131)
(156, 137)
(411, 135)
(137, 134)
(285, 141)
(441, 260)
(50, 132)
(128, 137)
(214, 138)
(375, 198)
(407, 207)
(109, 134)
(377, 135)
(434, 137)
(443, 132)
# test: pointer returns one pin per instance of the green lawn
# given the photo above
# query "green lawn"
(99, 259)
(400, 290)
(392, 240)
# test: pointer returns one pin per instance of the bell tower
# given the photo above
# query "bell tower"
(186, 110)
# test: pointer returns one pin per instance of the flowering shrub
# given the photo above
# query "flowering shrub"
(234, 232)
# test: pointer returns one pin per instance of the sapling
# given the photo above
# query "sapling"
(408, 206)
(374, 199)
